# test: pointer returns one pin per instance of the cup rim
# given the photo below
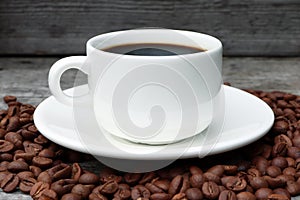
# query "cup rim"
(90, 43)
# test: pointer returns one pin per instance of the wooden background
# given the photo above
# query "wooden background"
(246, 27)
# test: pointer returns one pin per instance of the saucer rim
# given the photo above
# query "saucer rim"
(190, 152)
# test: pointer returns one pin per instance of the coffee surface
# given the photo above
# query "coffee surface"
(153, 49)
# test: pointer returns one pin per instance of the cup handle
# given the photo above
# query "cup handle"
(55, 73)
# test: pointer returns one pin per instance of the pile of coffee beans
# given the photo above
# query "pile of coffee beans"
(266, 169)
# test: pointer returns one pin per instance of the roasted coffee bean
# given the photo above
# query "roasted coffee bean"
(82, 190)
(163, 184)
(296, 141)
(4, 165)
(26, 184)
(293, 152)
(289, 171)
(88, 178)
(122, 193)
(218, 170)
(6, 157)
(283, 192)
(153, 188)
(60, 171)
(13, 124)
(197, 180)
(17, 166)
(293, 188)
(279, 162)
(280, 126)
(41, 140)
(35, 170)
(253, 172)
(6, 146)
(140, 192)
(195, 170)
(178, 184)
(108, 174)
(42, 162)
(212, 177)
(284, 139)
(194, 194)
(286, 178)
(25, 174)
(44, 177)
(147, 177)
(132, 178)
(273, 171)
(274, 182)
(38, 188)
(9, 183)
(76, 171)
(179, 196)
(27, 157)
(245, 196)
(236, 184)
(263, 193)
(30, 147)
(160, 196)
(210, 190)
(63, 186)
(2, 133)
(48, 195)
(9, 98)
(3, 174)
(47, 153)
(72, 196)
(227, 195)
(261, 164)
(277, 197)
(258, 182)
(109, 187)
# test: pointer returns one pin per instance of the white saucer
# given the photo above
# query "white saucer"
(247, 118)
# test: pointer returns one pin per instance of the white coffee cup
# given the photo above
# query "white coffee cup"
(145, 98)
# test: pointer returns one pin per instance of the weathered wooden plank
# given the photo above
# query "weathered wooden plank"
(256, 28)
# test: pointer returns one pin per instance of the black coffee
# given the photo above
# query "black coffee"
(153, 49)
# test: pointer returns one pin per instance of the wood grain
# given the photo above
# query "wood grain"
(251, 28)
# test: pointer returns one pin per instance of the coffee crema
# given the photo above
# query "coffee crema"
(153, 49)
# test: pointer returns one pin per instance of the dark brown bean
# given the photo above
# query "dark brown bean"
(13, 124)
(194, 194)
(42, 162)
(227, 195)
(38, 188)
(72, 196)
(82, 190)
(197, 180)
(263, 193)
(60, 171)
(279, 162)
(17, 166)
(88, 178)
(109, 187)
(76, 171)
(195, 170)
(258, 182)
(47, 153)
(273, 171)
(10, 183)
(9, 98)
(218, 170)
(25, 174)
(277, 197)
(63, 186)
(5, 146)
(293, 188)
(236, 184)
(48, 195)
(212, 177)
(26, 184)
(293, 152)
(280, 127)
(245, 196)
(178, 184)
(210, 190)
(140, 192)
(35, 170)
(160, 196)
(132, 178)
(282, 192)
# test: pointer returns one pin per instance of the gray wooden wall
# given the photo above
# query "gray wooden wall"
(56, 27)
